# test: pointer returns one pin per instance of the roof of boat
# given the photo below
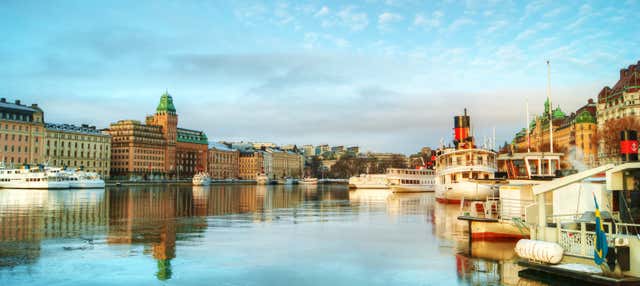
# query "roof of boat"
(521, 156)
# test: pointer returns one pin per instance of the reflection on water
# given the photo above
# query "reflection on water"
(241, 234)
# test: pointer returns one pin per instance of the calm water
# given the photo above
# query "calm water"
(241, 235)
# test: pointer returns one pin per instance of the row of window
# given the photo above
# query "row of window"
(19, 149)
(26, 137)
(95, 138)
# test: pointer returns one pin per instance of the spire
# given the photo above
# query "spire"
(166, 103)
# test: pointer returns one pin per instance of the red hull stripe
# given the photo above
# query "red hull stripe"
(447, 201)
(496, 236)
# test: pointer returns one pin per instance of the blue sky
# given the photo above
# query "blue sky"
(385, 75)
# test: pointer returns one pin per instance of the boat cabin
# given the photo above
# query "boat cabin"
(465, 164)
(530, 165)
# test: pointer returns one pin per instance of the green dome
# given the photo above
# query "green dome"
(558, 114)
(585, 117)
(532, 125)
(166, 103)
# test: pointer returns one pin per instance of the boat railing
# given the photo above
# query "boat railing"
(513, 209)
(577, 237)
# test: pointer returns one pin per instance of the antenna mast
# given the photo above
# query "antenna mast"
(526, 122)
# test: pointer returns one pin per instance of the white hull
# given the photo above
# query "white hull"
(469, 191)
(35, 185)
(87, 184)
(369, 186)
(202, 183)
(412, 188)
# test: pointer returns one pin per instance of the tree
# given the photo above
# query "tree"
(609, 135)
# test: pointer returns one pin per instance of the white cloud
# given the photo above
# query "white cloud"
(314, 40)
(322, 12)
(459, 23)
(428, 22)
(387, 18)
(348, 17)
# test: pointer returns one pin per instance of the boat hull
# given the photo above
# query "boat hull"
(469, 191)
(369, 186)
(412, 188)
(35, 185)
(88, 184)
(494, 230)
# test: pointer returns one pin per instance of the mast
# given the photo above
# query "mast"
(526, 121)
(550, 107)
(493, 140)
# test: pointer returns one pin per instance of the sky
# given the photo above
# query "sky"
(385, 75)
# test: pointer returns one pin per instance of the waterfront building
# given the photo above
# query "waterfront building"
(337, 149)
(251, 163)
(80, 147)
(354, 149)
(223, 162)
(618, 102)
(157, 148)
(574, 135)
(21, 133)
(320, 149)
(284, 164)
(308, 150)
(260, 145)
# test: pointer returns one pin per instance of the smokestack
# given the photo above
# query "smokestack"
(629, 146)
(461, 127)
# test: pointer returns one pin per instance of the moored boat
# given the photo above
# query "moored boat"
(402, 180)
(369, 181)
(309, 181)
(262, 179)
(28, 177)
(84, 180)
(201, 179)
(464, 172)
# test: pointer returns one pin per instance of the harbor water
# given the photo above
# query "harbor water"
(242, 235)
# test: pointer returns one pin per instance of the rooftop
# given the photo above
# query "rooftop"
(83, 129)
(166, 103)
(17, 105)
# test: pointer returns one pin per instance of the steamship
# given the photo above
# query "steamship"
(463, 171)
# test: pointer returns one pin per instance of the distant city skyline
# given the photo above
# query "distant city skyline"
(387, 76)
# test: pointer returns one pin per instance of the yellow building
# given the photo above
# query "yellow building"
(250, 164)
(223, 162)
(285, 164)
(573, 134)
(21, 133)
(81, 147)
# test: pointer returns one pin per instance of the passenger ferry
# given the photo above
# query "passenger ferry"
(201, 179)
(369, 181)
(84, 180)
(411, 180)
(28, 177)
(464, 171)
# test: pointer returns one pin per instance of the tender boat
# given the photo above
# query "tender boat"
(84, 180)
(369, 181)
(28, 177)
(411, 180)
(464, 172)
(309, 181)
(201, 179)
(262, 179)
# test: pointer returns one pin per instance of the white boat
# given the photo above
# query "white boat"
(309, 181)
(84, 180)
(289, 181)
(464, 172)
(28, 177)
(262, 179)
(411, 180)
(369, 181)
(201, 179)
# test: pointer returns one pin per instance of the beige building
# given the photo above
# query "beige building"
(620, 101)
(223, 162)
(21, 133)
(80, 147)
(285, 164)
(250, 164)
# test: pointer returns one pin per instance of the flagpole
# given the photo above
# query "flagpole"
(550, 107)
(526, 121)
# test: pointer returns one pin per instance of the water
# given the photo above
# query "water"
(241, 235)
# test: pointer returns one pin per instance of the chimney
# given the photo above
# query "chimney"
(17, 102)
(629, 146)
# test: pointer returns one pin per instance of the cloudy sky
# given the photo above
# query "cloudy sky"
(385, 75)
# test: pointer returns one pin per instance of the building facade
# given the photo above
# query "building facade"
(617, 102)
(573, 134)
(284, 164)
(158, 148)
(80, 147)
(223, 162)
(251, 163)
(21, 133)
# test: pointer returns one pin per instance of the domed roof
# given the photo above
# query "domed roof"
(558, 113)
(585, 117)
(166, 103)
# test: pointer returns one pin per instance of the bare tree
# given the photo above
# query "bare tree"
(608, 136)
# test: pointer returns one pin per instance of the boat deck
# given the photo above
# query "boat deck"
(564, 276)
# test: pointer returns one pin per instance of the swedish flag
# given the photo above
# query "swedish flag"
(600, 245)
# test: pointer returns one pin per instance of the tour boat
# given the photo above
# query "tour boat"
(411, 180)
(464, 172)
(28, 177)
(369, 181)
(309, 181)
(262, 179)
(201, 179)
(84, 180)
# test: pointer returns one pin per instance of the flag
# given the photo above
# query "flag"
(600, 244)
